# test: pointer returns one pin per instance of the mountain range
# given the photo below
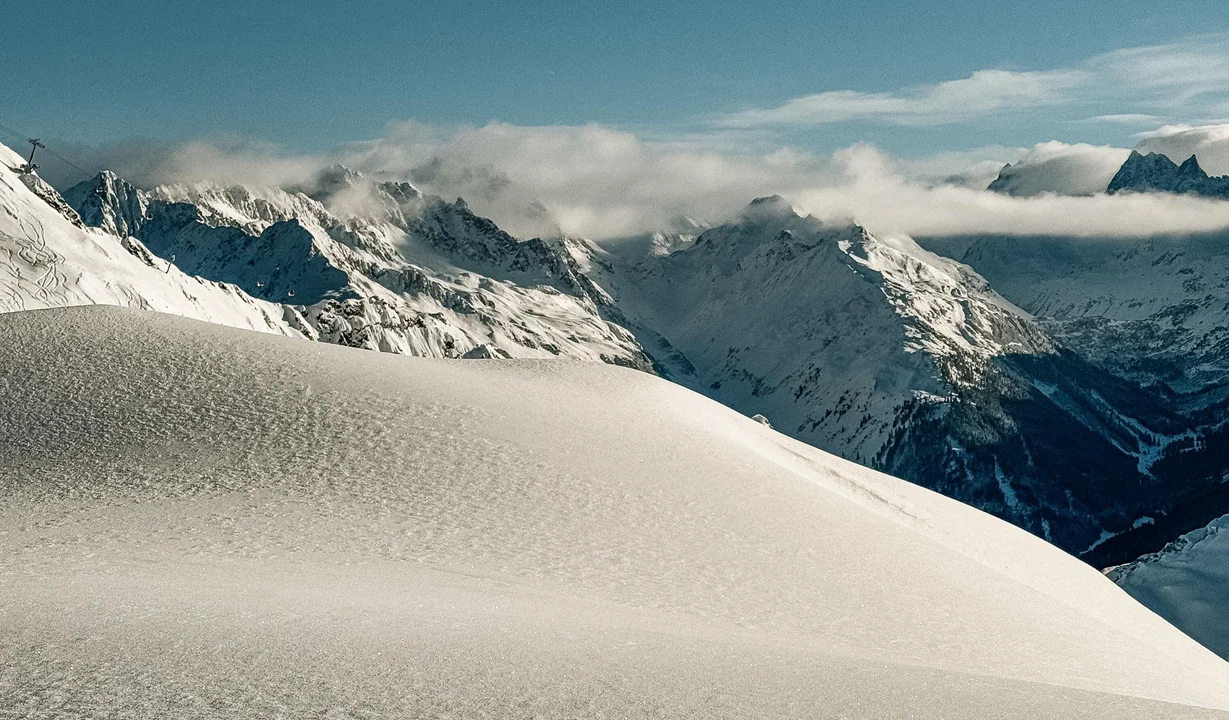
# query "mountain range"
(1029, 380)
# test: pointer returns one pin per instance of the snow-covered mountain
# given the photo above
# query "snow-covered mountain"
(1155, 172)
(205, 522)
(869, 347)
(49, 258)
(881, 352)
(413, 275)
(1187, 583)
(1155, 310)
(1152, 311)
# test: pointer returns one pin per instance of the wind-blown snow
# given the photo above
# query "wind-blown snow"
(199, 521)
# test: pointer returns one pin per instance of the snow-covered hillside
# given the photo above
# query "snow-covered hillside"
(369, 535)
(1187, 583)
(886, 354)
(48, 259)
(414, 275)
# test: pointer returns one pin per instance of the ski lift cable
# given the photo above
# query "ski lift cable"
(49, 151)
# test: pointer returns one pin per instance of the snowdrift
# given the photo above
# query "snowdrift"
(200, 521)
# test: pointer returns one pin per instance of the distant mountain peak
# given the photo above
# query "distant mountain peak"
(109, 202)
(1156, 172)
(771, 206)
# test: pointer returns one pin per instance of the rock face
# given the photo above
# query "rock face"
(1155, 172)
(413, 275)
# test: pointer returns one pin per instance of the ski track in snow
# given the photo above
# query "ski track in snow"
(205, 522)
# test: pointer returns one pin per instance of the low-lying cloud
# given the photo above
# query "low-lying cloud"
(603, 183)
(1209, 143)
(1058, 168)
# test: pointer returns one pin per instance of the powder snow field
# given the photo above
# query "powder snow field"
(199, 521)
(1187, 583)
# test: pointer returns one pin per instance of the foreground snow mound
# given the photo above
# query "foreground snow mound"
(1187, 583)
(199, 521)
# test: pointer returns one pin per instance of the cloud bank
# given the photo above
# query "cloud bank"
(1209, 143)
(604, 183)
(1059, 168)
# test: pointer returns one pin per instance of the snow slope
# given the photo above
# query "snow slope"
(198, 521)
(1187, 583)
(47, 259)
(877, 350)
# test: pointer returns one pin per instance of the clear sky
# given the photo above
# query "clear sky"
(310, 75)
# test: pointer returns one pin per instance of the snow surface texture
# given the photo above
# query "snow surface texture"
(1187, 583)
(204, 522)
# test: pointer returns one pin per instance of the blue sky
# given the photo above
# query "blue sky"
(312, 75)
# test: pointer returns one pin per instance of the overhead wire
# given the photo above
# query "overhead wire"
(48, 151)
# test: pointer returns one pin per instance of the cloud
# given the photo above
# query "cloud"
(885, 201)
(1056, 167)
(1209, 143)
(1190, 76)
(605, 183)
(1127, 119)
(1169, 75)
(981, 93)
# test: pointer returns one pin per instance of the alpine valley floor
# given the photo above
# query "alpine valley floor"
(201, 521)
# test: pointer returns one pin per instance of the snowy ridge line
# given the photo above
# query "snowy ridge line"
(348, 281)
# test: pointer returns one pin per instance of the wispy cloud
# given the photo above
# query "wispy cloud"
(1135, 119)
(983, 92)
(1189, 77)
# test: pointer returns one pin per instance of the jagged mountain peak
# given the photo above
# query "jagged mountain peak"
(366, 281)
(1190, 166)
(1156, 172)
(349, 193)
(109, 202)
(774, 210)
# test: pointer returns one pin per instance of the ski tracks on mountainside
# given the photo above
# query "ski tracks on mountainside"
(31, 270)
